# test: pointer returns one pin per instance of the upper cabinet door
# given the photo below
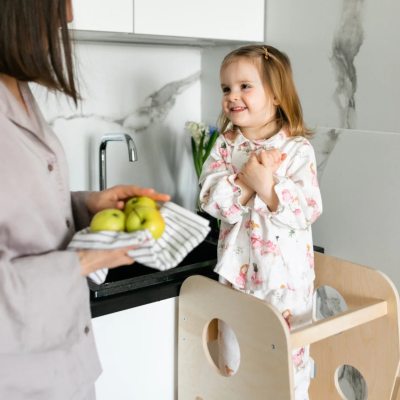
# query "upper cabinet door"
(103, 15)
(209, 19)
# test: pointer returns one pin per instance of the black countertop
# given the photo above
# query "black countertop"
(136, 285)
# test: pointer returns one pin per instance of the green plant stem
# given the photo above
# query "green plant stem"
(195, 158)
(211, 143)
(201, 149)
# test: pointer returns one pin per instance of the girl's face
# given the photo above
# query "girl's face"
(245, 100)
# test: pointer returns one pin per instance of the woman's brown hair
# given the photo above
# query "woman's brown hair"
(276, 72)
(33, 48)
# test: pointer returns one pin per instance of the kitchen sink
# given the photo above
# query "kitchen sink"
(200, 261)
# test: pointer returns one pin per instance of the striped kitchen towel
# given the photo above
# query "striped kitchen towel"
(184, 231)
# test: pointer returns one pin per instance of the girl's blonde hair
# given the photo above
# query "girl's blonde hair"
(276, 73)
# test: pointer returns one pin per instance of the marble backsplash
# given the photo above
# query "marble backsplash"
(345, 67)
(358, 175)
(148, 92)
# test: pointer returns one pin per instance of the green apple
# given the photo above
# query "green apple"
(139, 202)
(108, 220)
(146, 218)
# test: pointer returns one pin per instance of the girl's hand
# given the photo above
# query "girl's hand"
(92, 260)
(116, 196)
(247, 192)
(255, 175)
(271, 159)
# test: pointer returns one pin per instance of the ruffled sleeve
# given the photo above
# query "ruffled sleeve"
(219, 194)
(300, 202)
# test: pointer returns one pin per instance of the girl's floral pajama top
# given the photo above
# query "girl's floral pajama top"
(259, 249)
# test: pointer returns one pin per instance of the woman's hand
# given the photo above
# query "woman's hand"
(92, 260)
(116, 196)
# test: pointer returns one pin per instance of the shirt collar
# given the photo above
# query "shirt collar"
(275, 141)
(14, 112)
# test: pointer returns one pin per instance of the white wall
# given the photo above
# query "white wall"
(361, 198)
(146, 91)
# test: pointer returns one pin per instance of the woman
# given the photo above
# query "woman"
(47, 349)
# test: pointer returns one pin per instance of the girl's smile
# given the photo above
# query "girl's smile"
(236, 110)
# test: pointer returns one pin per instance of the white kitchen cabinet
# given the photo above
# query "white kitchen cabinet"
(103, 15)
(209, 19)
(138, 352)
(185, 22)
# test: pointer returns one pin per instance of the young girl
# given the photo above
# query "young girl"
(260, 181)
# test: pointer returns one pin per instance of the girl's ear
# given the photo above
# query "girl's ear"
(276, 102)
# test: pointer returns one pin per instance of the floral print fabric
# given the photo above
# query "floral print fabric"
(259, 249)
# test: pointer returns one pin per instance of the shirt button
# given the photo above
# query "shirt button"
(50, 167)
(87, 329)
(68, 223)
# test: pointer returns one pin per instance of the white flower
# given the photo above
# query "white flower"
(204, 127)
(191, 126)
(196, 130)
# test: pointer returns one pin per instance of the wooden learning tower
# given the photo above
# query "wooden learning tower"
(365, 337)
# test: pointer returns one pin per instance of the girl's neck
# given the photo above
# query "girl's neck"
(12, 85)
(260, 132)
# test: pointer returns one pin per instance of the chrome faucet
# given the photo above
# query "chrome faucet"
(114, 137)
